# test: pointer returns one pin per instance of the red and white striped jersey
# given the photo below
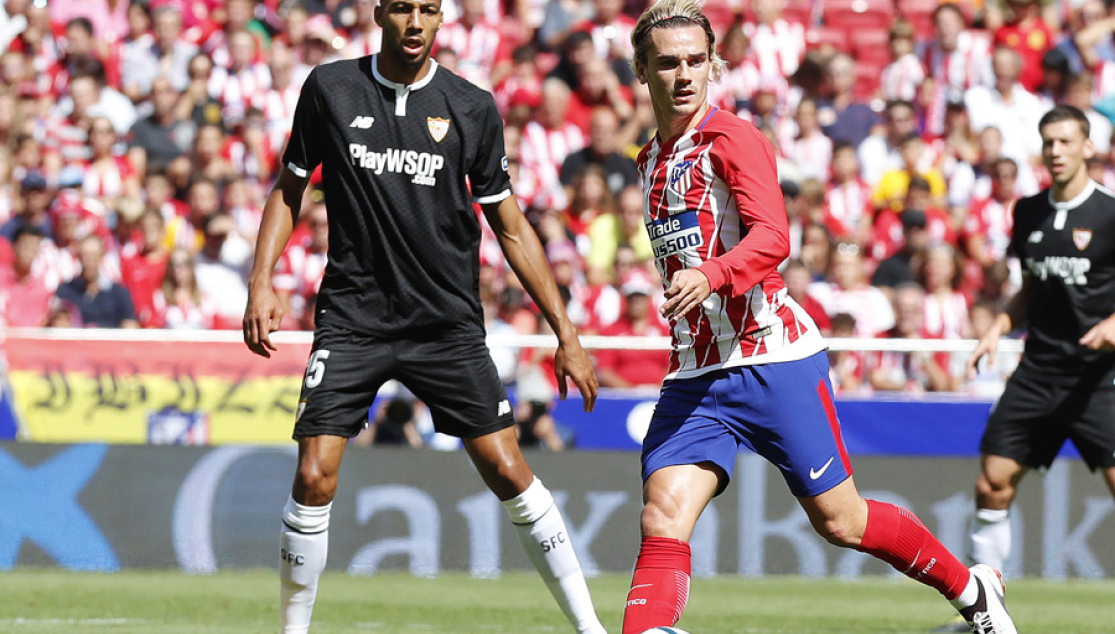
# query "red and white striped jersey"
(277, 107)
(542, 152)
(738, 83)
(236, 89)
(364, 44)
(993, 220)
(779, 46)
(299, 270)
(812, 153)
(945, 317)
(845, 205)
(968, 65)
(478, 50)
(902, 78)
(711, 201)
(107, 181)
(1103, 82)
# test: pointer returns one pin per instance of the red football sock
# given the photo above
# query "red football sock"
(660, 585)
(898, 537)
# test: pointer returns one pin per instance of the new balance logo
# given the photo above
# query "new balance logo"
(362, 123)
(504, 408)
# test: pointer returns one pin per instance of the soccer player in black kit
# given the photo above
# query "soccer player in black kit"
(401, 141)
(1064, 386)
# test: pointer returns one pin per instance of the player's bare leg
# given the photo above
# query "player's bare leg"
(989, 540)
(673, 499)
(304, 538)
(538, 522)
(1109, 477)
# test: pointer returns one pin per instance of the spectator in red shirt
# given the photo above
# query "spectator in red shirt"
(142, 268)
(909, 371)
(1029, 35)
(26, 297)
(632, 368)
(798, 278)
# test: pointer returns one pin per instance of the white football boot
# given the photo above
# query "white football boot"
(989, 614)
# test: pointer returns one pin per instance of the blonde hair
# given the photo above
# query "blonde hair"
(671, 14)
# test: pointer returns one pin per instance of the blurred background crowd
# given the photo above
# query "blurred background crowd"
(139, 139)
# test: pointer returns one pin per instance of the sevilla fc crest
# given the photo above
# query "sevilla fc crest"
(438, 127)
(681, 177)
(1081, 238)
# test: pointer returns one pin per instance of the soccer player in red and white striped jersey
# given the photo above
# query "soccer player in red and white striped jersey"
(748, 367)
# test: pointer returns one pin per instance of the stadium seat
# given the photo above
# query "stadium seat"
(819, 36)
(870, 46)
(920, 14)
(853, 15)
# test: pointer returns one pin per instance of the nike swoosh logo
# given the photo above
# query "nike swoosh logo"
(814, 474)
(641, 585)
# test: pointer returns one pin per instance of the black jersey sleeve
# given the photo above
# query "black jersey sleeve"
(303, 151)
(488, 173)
(1019, 232)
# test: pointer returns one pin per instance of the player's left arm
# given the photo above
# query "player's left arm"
(766, 241)
(525, 255)
(1101, 336)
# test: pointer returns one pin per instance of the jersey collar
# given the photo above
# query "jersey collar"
(403, 87)
(1076, 201)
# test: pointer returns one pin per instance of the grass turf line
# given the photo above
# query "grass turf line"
(46, 601)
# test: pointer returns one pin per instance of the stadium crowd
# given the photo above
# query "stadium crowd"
(139, 139)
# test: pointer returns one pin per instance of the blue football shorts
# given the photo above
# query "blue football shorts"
(782, 411)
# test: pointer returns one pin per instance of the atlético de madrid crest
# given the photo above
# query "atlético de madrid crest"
(1081, 238)
(438, 127)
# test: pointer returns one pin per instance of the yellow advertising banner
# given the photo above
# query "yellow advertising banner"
(151, 391)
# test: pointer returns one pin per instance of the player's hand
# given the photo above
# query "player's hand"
(261, 318)
(989, 345)
(572, 362)
(1101, 336)
(688, 288)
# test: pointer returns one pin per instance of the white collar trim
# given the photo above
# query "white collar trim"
(1078, 200)
(403, 87)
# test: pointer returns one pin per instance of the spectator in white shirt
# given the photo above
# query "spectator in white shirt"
(1008, 106)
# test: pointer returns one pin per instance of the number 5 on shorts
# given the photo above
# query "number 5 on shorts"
(315, 369)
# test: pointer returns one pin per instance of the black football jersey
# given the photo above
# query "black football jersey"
(1068, 251)
(397, 163)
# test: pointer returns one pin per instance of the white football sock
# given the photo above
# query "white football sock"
(968, 596)
(546, 541)
(990, 539)
(303, 546)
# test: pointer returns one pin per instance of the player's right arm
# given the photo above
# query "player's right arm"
(264, 312)
(1013, 316)
(303, 154)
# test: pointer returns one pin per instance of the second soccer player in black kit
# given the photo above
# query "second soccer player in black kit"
(1064, 387)
(401, 141)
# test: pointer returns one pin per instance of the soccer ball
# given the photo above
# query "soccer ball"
(665, 630)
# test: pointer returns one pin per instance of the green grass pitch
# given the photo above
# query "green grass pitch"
(40, 601)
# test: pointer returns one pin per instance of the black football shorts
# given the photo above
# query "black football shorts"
(455, 378)
(1034, 417)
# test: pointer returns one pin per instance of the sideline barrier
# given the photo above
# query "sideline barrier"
(106, 507)
(205, 388)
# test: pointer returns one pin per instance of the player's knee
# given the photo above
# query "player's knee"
(661, 518)
(992, 493)
(839, 531)
(313, 486)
